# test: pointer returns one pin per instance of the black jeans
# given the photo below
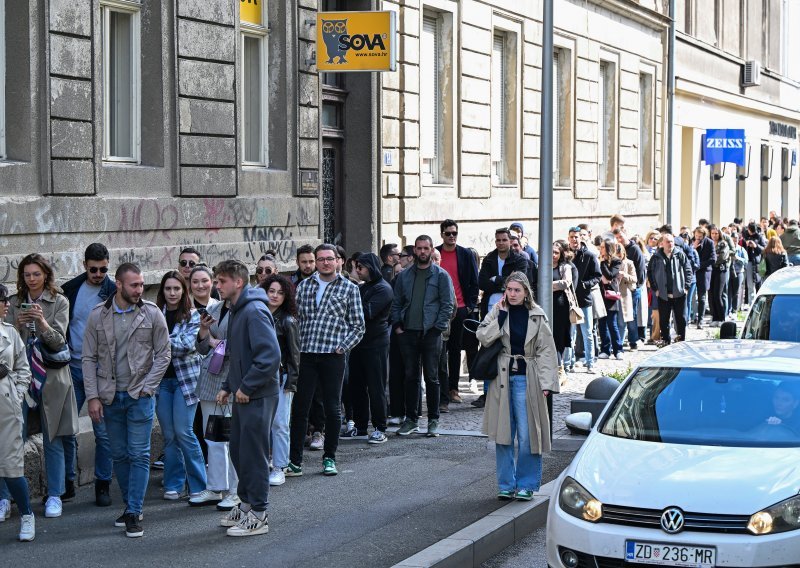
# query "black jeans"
(719, 294)
(421, 349)
(676, 306)
(397, 394)
(369, 368)
(734, 290)
(454, 349)
(444, 381)
(323, 371)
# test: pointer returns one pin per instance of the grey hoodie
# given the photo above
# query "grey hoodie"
(791, 239)
(252, 346)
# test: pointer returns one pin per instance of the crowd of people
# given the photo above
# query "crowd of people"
(293, 363)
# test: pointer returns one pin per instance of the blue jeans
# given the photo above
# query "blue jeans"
(587, 332)
(526, 471)
(610, 337)
(690, 297)
(54, 467)
(633, 326)
(102, 447)
(280, 427)
(183, 457)
(794, 259)
(129, 423)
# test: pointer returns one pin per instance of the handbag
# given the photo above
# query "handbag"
(611, 295)
(217, 359)
(218, 428)
(54, 359)
(484, 366)
(575, 311)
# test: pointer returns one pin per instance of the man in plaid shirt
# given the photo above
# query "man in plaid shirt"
(331, 324)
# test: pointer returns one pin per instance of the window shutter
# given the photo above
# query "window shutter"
(498, 103)
(429, 100)
(558, 118)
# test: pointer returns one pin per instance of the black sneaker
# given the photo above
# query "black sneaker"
(102, 497)
(69, 490)
(159, 463)
(479, 402)
(120, 522)
(133, 525)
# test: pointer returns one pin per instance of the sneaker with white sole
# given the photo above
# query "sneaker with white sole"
(292, 470)
(159, 463)
(230, 501)
(27, 528)
(277, 477)
(171, 495)
(5, 509)
(394, 421)
(317, 441)
(408, 427)
(250, 525)
(205, 497)
(233, 518)
(133, 526)
(53, 508)
(618, 356)
(377, 437)
(351, 425)
(603, 356)
(120, 522)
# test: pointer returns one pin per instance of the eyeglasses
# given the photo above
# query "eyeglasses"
(100, 269)
(327, 259)
(261, 270)
(404, 255)
(189, 263)
(450, 233)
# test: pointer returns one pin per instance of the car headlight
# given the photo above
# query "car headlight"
(781, 517)
(578, 502)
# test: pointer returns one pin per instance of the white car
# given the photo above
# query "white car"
(775, 312)
(695, 461)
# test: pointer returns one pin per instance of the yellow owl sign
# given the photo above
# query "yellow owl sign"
(356, 41)
(250, 11)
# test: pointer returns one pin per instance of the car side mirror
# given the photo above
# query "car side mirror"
(579, 422)
(727, 330)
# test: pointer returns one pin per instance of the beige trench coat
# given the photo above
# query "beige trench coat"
(58, 396)
(12, 391)
(541, 374)
(627, 279)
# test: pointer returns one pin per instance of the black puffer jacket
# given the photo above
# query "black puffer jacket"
(289, 340)
(588, 275)
(376, 300)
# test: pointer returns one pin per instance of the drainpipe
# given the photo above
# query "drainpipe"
(670, 107)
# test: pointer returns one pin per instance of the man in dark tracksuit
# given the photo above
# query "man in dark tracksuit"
(369, 360)
(255, 359)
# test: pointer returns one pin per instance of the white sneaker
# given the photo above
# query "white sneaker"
(27, 528)
(233, 518)
(277, 477)
(618, 356)
(52, 508)
(230, 501)
(205, 497)
(393, 421)
(5, 509)
(250, 525)
(171, 495)
(317, 441)
(602, 356)
(351, 425)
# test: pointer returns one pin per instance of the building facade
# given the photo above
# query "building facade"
(150, 125)
(461, 118)
(737, 66)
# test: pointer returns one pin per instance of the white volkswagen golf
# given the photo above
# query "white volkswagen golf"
(694, 462)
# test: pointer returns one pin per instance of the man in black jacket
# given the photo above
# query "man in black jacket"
(390, 255)
(588, 267)
(460, 264)
(754, 243)
(496, 267)
(369, 360)
(634, 254)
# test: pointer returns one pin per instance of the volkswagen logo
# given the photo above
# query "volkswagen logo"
(672, 520)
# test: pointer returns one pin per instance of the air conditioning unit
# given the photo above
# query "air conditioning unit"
(751, 74)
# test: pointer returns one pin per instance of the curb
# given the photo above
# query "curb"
(476, 543)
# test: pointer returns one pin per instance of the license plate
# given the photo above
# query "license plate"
(663, 554)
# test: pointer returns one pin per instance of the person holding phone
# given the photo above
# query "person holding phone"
(39, 309)
(516, 402)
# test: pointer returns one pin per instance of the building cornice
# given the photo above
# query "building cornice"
(634, 11)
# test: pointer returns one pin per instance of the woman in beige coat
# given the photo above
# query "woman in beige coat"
(38, 307)
(14, 379)
(516, 401)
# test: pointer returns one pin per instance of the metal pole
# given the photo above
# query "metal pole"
(670, 107)
(545, 283)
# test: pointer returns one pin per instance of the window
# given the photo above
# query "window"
(121, 84)
(562, 117)
(254, 75)
(504, 108)
(607, 125)
(646, 126)
(2, 81)
(499, 99)
(430, 99)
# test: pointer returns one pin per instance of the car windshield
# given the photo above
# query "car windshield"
(709, 407)
(774, 318)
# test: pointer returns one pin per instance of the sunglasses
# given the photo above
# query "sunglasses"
(100, 269)
(450, 233)
(189, 263)
(574, 229)
(261, 270)
(404, 255)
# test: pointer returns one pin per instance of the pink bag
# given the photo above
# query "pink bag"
(217, 359)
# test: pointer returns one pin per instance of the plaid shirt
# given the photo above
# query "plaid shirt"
(338, 321)
(185, 357)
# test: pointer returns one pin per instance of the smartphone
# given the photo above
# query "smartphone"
(202, 312)
(27, 306)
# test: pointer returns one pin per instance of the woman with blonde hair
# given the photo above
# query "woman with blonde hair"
(516, 401)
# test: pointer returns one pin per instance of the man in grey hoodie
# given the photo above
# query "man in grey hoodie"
(255, 357)
(791, 242)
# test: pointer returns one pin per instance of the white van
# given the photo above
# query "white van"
(775, 313)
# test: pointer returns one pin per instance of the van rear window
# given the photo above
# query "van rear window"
(775, 317)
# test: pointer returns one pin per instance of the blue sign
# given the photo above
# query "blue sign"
(724, 145)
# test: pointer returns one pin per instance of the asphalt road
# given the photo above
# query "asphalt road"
(387, 503)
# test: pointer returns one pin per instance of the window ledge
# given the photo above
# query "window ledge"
(439, 185)
(505, 185)
(607, 188)
(562, 188)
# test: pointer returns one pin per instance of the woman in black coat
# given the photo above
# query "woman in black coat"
(708, 256)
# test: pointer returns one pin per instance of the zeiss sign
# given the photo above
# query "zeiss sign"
(724, 145)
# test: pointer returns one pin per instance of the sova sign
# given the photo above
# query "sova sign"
(724, 145)
(356, 41)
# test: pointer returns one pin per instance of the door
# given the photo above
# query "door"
(331, 191)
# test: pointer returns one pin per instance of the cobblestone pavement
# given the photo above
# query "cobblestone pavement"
(466, 419)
